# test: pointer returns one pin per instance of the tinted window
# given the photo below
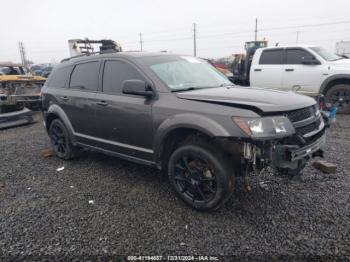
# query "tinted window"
(85, 76)
(115, 73)
(59, 78)
(272, 57)
(295, 56)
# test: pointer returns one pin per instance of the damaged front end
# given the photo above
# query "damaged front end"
(19, 94)
(291, 148)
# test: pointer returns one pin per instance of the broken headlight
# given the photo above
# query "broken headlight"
(265, 127)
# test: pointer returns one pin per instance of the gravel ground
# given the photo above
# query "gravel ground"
(102, 206)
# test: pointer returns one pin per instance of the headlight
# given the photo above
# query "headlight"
(265, 127)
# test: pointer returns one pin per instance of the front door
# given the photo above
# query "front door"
(298, 76)
(124, 121)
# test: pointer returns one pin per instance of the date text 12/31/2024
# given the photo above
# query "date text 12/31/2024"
(172, 258)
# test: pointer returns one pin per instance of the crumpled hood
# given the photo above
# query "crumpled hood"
(258, 99)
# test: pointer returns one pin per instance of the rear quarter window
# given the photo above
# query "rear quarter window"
(271, 57)
(59, 77)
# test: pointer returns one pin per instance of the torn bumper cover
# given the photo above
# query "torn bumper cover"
(288, 156)
(16, 118)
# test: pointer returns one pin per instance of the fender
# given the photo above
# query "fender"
(330, 79)
(187, 120)
(57, 110)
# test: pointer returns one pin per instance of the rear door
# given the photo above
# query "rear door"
(296, 75)
(79, 101)
(124, 121)
(267, 72)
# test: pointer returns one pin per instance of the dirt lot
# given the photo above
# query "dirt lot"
(133, 210)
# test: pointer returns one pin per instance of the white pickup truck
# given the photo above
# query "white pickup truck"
(310, 70)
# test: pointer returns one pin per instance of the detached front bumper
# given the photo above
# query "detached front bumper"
(16, 118)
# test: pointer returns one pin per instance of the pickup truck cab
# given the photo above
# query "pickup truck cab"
(310, 70)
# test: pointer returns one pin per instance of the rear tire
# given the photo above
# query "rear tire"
(336, 92)
(201, 175)
(61, 140)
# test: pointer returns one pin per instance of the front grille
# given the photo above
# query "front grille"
(301, 114)
(308, 128)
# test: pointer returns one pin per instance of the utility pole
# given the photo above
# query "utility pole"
(141, 42)
(22, 52)
(256, 29)
(194, 40)
(297, 40)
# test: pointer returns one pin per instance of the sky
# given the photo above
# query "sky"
(222, 26)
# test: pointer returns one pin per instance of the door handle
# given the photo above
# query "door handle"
(289, 69)
(257, 69)
(102, 103)
(64, 98)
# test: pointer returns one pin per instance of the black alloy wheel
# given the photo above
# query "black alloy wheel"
(201, 175)
(60, 140)
(195, 179)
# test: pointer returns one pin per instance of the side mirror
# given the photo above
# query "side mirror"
(136, 87)
(309, 61)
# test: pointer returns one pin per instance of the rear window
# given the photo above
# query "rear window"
(271, 57)
(59, 78)
(85, 76)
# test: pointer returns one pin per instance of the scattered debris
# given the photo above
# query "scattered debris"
(248, 188)
(325, 166)
(91, 202)
(264, 186)
(47, 152)
(60, 169)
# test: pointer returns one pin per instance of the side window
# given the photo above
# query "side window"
(271, 57)
(115, 73)
(85, 76)
(59, 77)
(295, 56)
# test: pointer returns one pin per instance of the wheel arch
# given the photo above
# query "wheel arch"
(56, 112)
(334, 80)
(176, 130)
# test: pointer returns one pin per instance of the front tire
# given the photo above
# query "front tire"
(201, 175)
(61, 140)
(340, 91)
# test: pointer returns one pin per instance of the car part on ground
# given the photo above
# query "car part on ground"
(16, 118)
(179, 114)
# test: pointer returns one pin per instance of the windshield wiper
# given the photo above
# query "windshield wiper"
(192, 88)
(339, 58)
(226, 84)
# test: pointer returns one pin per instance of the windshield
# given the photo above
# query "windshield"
(187, 72)
(326, 55)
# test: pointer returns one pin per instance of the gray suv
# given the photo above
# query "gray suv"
(178, 114)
